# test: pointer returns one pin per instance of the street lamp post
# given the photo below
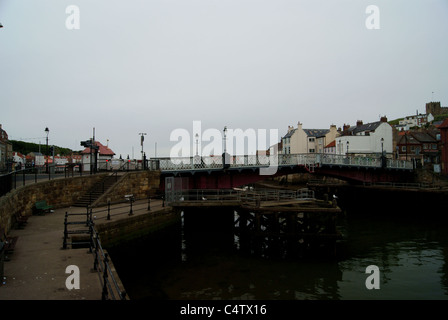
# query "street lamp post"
(225, 132)
(47, 131)
(197, 142)
(225, 158)
(141, 142)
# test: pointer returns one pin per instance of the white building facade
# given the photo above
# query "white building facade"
(366, 139)
(300, 141)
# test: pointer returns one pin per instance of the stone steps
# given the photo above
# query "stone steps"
(96, 191)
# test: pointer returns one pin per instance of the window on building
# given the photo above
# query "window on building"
(403, 148)
(311, 139)
(434, 146)
(311, 151)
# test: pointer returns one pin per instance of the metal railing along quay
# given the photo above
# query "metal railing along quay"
(84, 225)
(244, 195)
(101, 262)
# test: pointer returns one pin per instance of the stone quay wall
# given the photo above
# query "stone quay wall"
(141, 184)
(132, 227)
(59, 193)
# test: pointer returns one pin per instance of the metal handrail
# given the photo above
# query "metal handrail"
(259, 161)
(243, 195)
(101, 260)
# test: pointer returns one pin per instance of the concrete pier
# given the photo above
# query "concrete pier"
(36, 270)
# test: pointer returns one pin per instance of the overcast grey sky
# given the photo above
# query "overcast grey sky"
(157, 65)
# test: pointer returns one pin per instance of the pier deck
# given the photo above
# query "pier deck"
(36, 269)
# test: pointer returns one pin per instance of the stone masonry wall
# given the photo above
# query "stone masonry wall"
(117, 232)
(59, 193)
(140, 183)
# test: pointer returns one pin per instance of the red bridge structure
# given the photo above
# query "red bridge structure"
(226, 171)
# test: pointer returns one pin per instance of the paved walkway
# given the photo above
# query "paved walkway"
(36, 269)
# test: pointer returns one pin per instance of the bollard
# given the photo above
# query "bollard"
(130, 210)
(108, 209)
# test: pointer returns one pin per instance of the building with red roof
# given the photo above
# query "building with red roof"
(444, 146)
(103, 156)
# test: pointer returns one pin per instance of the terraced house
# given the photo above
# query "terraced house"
(5, 151)
(366, 139)
(299, 140)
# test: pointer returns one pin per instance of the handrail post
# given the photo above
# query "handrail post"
(104, 294)
(64, 243)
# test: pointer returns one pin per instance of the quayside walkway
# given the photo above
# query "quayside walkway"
(36, 270)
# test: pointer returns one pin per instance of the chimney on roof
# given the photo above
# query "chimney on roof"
(383, 119)
(359, 123)
(345, 127)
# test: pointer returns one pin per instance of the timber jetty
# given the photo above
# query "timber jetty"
(267, 222)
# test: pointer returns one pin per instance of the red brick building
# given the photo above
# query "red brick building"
(444, 145)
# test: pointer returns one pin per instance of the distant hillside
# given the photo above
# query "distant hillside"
(440, 117)
(436, 118)
(27, 147)
(395, 122)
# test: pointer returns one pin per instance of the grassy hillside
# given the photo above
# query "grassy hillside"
(27, 147)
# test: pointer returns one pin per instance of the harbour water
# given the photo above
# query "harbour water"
(410, 250)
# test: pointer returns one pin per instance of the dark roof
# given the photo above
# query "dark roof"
(365, 127)
(424, 137)
(316, 132)
(444, 124)
(417, 138)
(290, 133)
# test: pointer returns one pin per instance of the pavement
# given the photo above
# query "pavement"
(36, 270)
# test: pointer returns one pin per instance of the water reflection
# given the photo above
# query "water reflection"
(411, 254)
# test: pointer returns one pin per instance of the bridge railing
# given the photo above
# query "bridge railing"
(343, 160)
(245, 161)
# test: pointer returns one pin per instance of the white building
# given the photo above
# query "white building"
(299, 140)
(18, 158)
(416, 120)
(104, 156)
(366, 139)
